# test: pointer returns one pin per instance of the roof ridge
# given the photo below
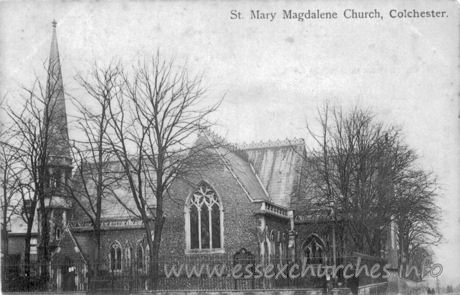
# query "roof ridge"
(272, 143)
(216, 138)
(235, 147)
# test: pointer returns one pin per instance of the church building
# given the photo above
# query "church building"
(252, 200)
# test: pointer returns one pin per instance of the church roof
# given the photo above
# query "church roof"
(117, 201)
(277, 164)
(245, 175)
(269, 171)
(70, 241)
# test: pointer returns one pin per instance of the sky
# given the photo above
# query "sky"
(273, 75)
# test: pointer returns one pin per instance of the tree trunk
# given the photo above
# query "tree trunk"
(27, 245)
(155, 252)
(94, 270)
(97, 232)
(5, 236)
(44, 241)
(5, 216)
(4, 241)
(99, 195)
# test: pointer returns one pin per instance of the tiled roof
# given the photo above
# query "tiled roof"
(267, 170)
(245, 175)
(77, 243)
(278, 165)
(117, 201)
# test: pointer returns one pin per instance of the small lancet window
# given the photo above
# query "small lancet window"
(115, 256)
(140, 258)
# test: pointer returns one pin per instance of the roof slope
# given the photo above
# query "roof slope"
(278, 165)
(245, 175)
(117, 201)
(266, 172)
(269, 171)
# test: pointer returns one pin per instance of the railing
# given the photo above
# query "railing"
(374, 289)
(19, 277)
(106, 224)
(276, 209)
(194, 272)
(269, 208)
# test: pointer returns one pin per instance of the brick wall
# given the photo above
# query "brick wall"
(127, 238)
(240, 224)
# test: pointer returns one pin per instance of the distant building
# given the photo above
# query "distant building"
(16, 241)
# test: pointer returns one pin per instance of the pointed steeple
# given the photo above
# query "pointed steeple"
(58, 144)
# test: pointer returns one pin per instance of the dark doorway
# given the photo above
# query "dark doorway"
(68, 275)
(247, 261)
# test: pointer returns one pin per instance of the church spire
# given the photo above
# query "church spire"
(59, 148)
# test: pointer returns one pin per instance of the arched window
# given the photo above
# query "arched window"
(115, 256)
(266, 252)
(313, 249)
(140, 258)
(147, 258)
(128, 261)
(285, 246)
(204, 219)
(273, 252)
(57, 233)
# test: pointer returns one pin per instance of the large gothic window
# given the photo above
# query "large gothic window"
(204, 219)
(313, 249)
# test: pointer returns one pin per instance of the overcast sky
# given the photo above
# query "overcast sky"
(273, 75)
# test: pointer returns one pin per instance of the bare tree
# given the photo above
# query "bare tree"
(3, 127)
(18, 198)
(153, 120)
(10, 180)
(357, 166)
(94, 177)
(35, 128)
(28, 211)
(416, 216)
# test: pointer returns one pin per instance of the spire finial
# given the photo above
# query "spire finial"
(54, 23)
